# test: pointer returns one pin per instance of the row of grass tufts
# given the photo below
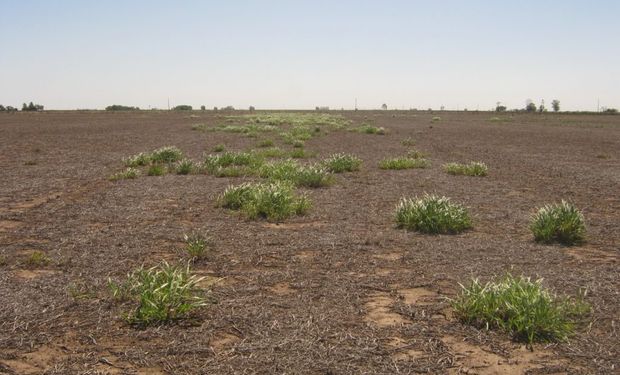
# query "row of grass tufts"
(404, 163)
(312, 176)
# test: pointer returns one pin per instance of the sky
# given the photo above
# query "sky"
(292, 54)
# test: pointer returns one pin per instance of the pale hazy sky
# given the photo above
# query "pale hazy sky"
(302, 54)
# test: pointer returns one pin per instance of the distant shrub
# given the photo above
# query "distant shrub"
(118, 107)
(520, 307)
(167, 154)
(182, 107)
(31, 107)
(474, 168)
(273, 201)
(403, 163)
(129, 173)
(562, 223)
(338, 163)
(436, 119)
(219, 148)
(163, 293)
(432, 214)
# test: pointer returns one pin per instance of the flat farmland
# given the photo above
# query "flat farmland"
(338, 290)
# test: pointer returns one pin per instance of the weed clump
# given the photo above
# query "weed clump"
(408, 142)
(129, 173)
(163, 293)
(312, 176)
(339, 163)
(196, 245)
(432, 214)
(167, 154)
(369, 129)
(184, 166)
(476, 169)
(37, 259)
(156, 170)
(520, 307)
(562, 223)
(232, 164)
(265, 143)
(404, 163)
(219, 148)
(137, 160)
(272, 201)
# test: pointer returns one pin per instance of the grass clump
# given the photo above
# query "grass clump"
(272, 201)
(369, 129)
(137, 160)
(219, 148)
(562, 223)
(403, 163)
(184, 166)
(156, 170)
(166, 154)
(129, 173)
(312, 176)
(37, 259)
(520, 307)
(232, 164)
(196, 245)
(163, 293)
(436, 119)
(474, 168)
(432, 214)
(339, 163)
(271, 152)
(299, 153)
(408, 142)
(415, 154)
(265, 143)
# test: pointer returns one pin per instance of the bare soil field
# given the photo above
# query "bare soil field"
(339, 290)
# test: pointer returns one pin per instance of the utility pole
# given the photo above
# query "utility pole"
(168, 103)
(598, 104)
(356, 104)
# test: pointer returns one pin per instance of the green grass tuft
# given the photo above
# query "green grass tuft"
(562, 223)
(196, 245)
(369, 129)
(184, 166)
(167, 154)
(520, 307)
(474, 168)
(219, 148)
(403, 163)
(37, 259)
(163, 293)
(312, 176)
(408, 142)
(156, 170)
(265, 143)
(129, 173)
(273, 201)
(339, 163)
(232, 164)
(432, 214)
(138, 160)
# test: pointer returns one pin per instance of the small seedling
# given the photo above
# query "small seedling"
(196, 245)
(520, 307)
(432, 214)
(562, 223)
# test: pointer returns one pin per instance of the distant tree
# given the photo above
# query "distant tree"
(316, 108)
(118, 107)
(442, 108)
(384, 106)
(555, 104)
(612, 111)
(252, 109)
(24, 107)
(203, 108)
(2, 109)
(228, 108)
(530, 106)
(182, 107)
(215, 108)
(499, 107)
(11, 108)
(542, 108)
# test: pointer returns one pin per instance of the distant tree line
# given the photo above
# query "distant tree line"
(118, 107)
(31, 107)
